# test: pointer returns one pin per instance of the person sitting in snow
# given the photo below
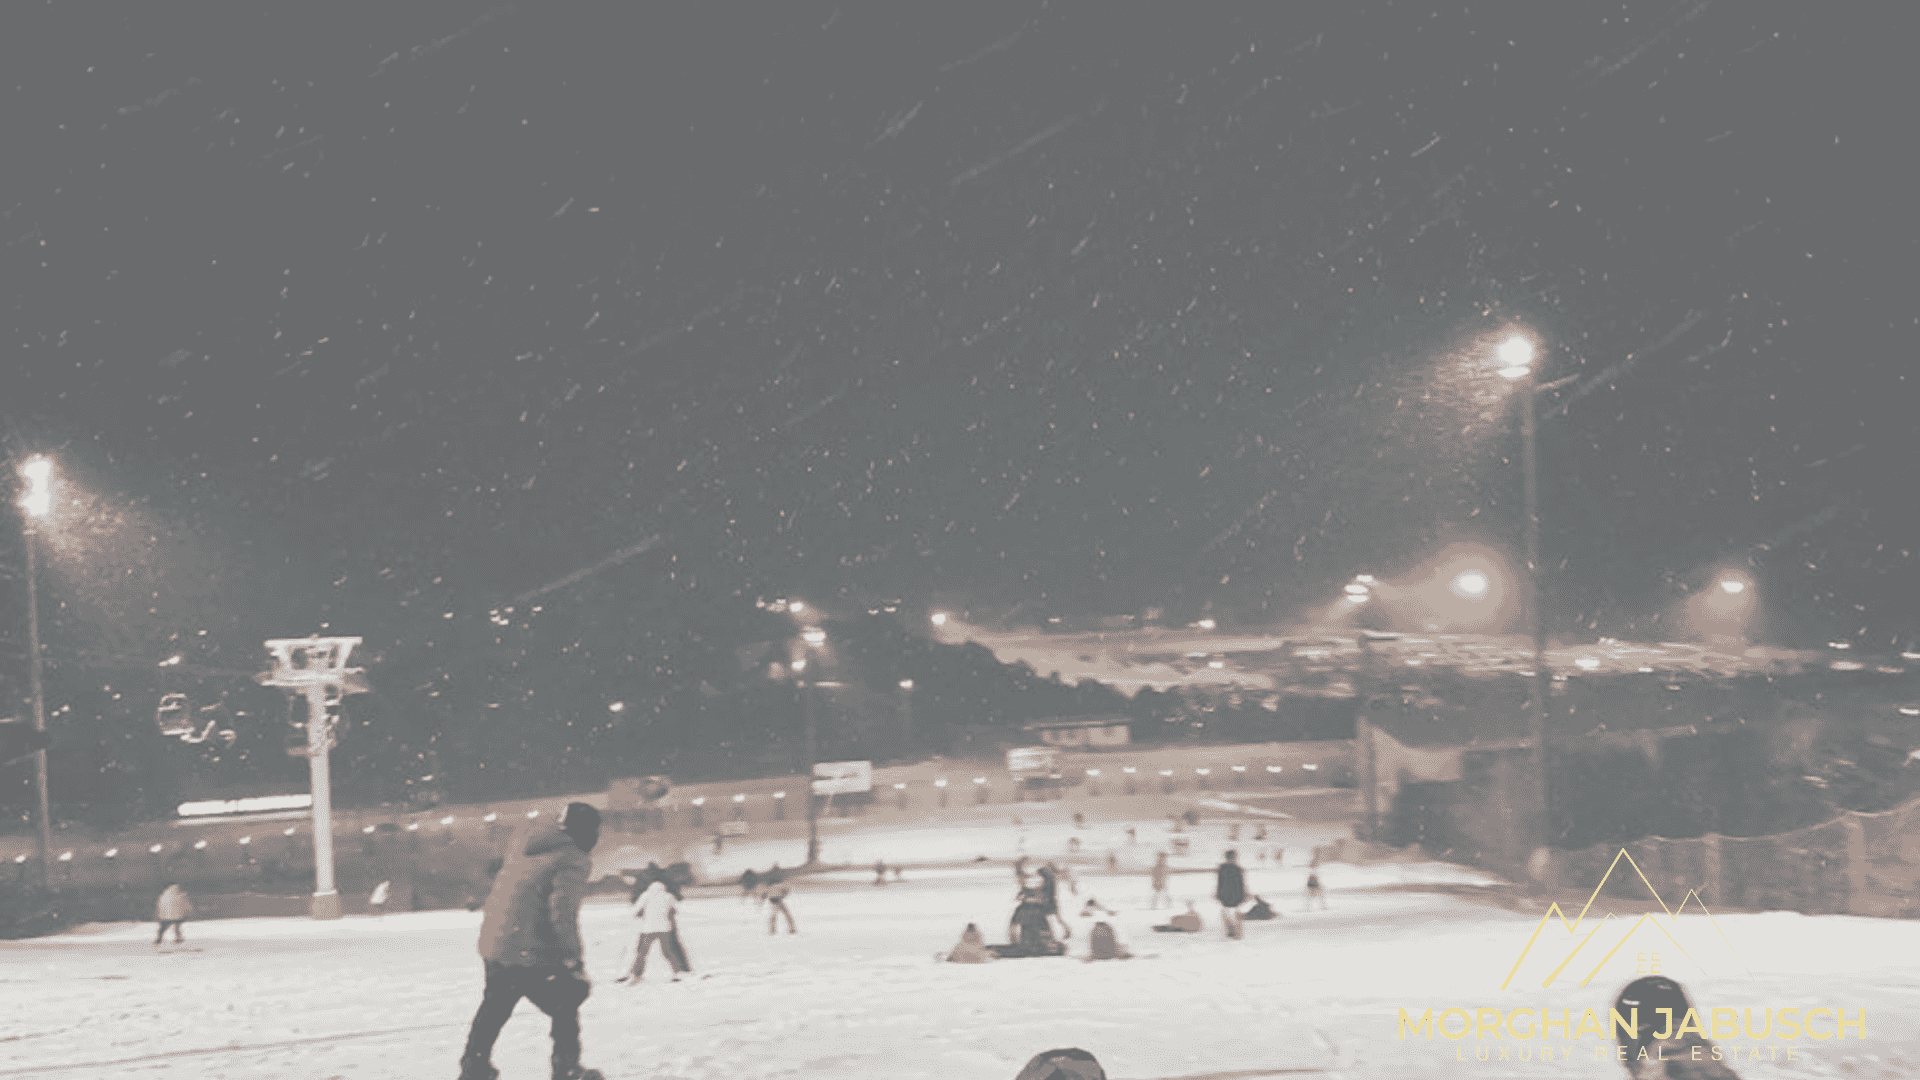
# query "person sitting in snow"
(1187, 922)
(972, 948)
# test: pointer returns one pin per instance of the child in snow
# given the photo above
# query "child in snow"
(1104, 944)
(1160, 882)
(777, 905)
(172, 909)
(972, 948)
(1187, 922)
(1314, 892)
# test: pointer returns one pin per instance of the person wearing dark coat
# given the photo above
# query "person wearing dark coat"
(1071, 1063)
(1231, 891)
(1662, 1006)
(530, 942)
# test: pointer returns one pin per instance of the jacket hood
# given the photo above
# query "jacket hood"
(546, 839)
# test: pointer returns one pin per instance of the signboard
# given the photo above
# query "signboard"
(1031, 759)
(842, 777)
(733, 828)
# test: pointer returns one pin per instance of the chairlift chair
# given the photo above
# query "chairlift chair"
(174, 717)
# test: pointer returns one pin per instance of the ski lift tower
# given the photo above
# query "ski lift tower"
(316, 667)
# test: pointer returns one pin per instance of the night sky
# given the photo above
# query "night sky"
(360, 319)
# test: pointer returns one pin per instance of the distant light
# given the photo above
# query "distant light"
(245, 806)
(1846, 665)
(1310, 767)
(1206, 624)
(154, 850)
(491, 817)
(899, 787)
(67, 856)
(112, 851)
(448, 820)
(368, 829)
(412, 826)
(19, 858)
(1166, 772)
(1093, 772)
(779, 794)
(1910, 710)
(1587, 663)
(1733, 586)
(796, 606)
(39, 497)
(1516, 356)
(1645, 670)
(942, 782)
(1471, 584)
(169, 661)
(1204, 772)
(617, 706)
(1356, 589)
(1910, 656)
(906, 684)
(739, 798)
(1359, 598)
(530, 813)
(939, 618)
(979, 779)
(1128, 769)
(814, 636)
(799, 665)
(1838, 645)
(290, 831)
(701, 801)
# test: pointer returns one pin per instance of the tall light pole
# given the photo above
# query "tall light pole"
(37, 503)
(906, 718)
(813, 758)
(1516, 360)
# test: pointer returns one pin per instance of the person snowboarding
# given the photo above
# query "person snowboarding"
(656, 911)
(173, 908)
(1160, 882)
(777, 903)
(1230, 889)
(1314, 891)
(1660, 1005)
(530, 942)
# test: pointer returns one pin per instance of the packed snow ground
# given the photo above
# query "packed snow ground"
(858, 993)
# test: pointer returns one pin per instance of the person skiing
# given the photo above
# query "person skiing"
(530, 942)
(656, 912)
(777, 902)
(1230, 889)
(1160, 882)
(173, 908)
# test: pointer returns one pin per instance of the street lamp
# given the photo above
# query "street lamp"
(1516, 359)
(38, 503)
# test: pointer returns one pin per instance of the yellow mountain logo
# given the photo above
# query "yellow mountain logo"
(1649, 918)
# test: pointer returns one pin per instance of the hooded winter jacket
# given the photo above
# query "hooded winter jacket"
(173, 905)
(655, 909)
(1232, 888)
(533, 913)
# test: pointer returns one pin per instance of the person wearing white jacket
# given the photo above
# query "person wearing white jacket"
(656, 911)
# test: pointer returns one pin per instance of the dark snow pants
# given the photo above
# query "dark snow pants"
(176, 924)
(553, 990)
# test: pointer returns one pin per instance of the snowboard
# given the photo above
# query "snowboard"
(1673, 1057)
